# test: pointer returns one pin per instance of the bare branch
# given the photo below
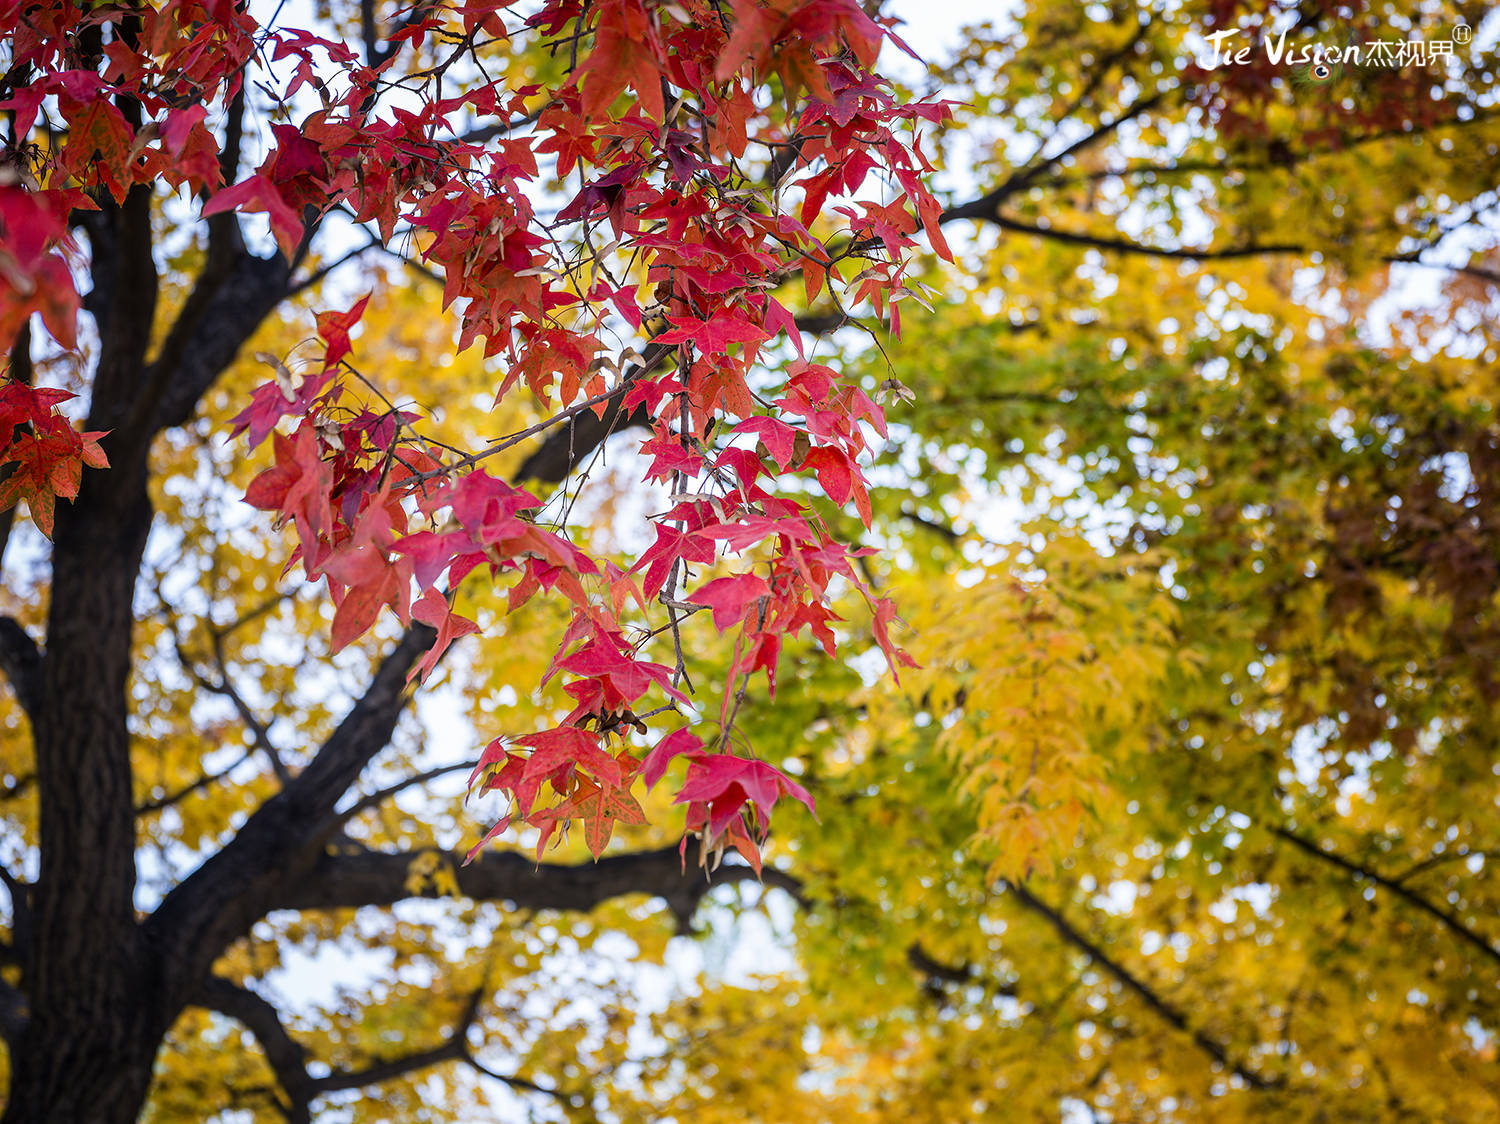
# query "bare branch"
(283, 839)
(1135, 985)
(258, 729)
(490, 132)
(521, 1083)
(1023, 178)
(323, 271)
(20, 913)
(450, 1050)
(1278, 158)
(1186, 253)
(1478, 272)
(286, 1056)
(917, 957)
(421, 269)
(1442, 859)
(21, 662)
(238, 305)
(1100, 70)
(453, 1048)
(381, 878)
(223, 686)
(181, 794)
(1411, 897)
(380, 796)
(564, 449)
(1122, 245)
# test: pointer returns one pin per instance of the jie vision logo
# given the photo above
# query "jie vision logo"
(1322, 60)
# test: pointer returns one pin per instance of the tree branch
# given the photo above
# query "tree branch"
(1281, 159)
(1411, 897)
(555, 458)
(1443, 859)
(917, 957)
(228, 317)
(564, 448)
(1478, 272)
(375, 54)
(220, 900)
(515, 1082)
(381, 795)
(449, 1050)
(224, 687)
(380, 878)
(324, 270)
(339, 880)
(125, 333)
(229, 155)
(103, 254)
(15, 1013)
(226, 250)
(490, 132)
(286, 1056)
(1022, 178)
(454, 1047)
(181, 794)
(1123, 245)
(1135, 985)
(1185, 253)
(20, 916)
(21, 662)
(1099, 70)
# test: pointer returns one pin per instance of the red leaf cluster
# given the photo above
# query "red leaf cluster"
(649, 130)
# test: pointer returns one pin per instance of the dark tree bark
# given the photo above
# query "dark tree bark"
(85, 1049)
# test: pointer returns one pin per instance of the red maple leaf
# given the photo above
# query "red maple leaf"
(258, 193)
(552, 751)
(601, 807)
(671, 546)
(433, 608)
(732, 598)
(676, 743)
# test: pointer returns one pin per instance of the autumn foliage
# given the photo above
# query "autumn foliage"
(654, 121)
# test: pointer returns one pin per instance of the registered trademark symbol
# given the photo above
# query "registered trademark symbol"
(1462, 33)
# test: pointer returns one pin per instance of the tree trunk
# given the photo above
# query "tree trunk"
(95, 1016)
(73, 1067)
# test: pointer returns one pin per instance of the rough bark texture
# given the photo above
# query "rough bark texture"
(85, 1048)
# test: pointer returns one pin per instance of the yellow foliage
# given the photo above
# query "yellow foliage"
(1043, 683)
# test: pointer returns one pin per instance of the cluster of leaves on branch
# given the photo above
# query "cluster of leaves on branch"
(669, 224)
